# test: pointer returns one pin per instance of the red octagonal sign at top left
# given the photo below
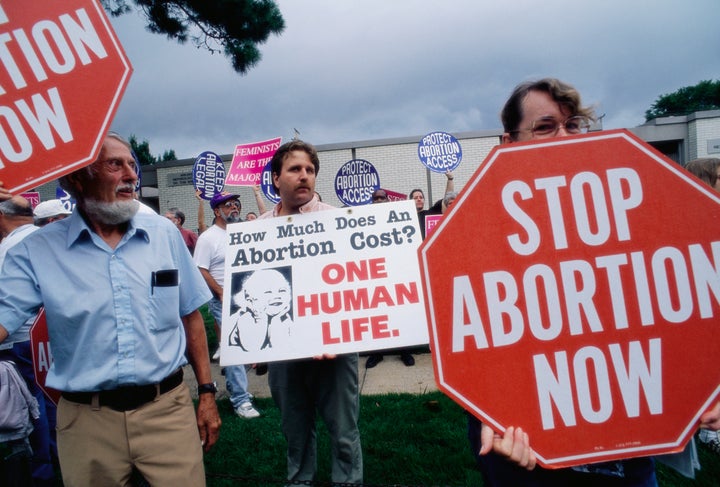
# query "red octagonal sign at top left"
(63, 74)
(574, 291)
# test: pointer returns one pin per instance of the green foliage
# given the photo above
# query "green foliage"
(703, 96)
(233, 27)
(168, 155)
(142, 151)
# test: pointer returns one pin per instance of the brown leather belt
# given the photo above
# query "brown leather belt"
(127, 398)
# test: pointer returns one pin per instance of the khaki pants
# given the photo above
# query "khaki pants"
(161, 439)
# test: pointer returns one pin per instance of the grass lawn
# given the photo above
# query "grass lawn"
(407, 439)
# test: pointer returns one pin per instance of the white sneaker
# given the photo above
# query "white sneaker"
(216, 355)
(246, 410)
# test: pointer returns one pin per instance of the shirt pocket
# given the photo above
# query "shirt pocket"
(164, 300)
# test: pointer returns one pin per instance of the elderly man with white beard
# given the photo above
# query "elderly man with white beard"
(121, 296)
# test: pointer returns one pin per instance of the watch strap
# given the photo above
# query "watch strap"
(210, 387)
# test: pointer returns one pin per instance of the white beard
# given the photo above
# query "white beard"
(111, 213)
(230, 218)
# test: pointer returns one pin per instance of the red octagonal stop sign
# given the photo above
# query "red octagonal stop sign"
(574, 291)
(63, 74)
(42, 355)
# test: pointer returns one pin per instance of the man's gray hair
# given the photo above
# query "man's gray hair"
(450, 195)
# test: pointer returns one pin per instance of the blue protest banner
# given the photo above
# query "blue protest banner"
(440, 152)
(67, 200)
(208, 174)
(266, 185)
(355, 182)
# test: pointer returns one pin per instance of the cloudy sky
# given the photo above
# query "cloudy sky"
(354, 70)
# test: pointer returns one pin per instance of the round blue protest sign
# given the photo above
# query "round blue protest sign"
(267, 186)
(67, 201)
(138, 172)
(440, 152)
(355, 182)
(208, 174)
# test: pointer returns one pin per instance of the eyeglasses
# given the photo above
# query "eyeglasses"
(549, 126)
(232, 203)
(379, 197)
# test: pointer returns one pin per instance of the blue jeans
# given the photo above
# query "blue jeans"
(236, 380)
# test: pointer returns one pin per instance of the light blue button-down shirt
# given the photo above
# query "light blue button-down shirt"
(108, 325)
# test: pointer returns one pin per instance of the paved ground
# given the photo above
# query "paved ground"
(389, 376)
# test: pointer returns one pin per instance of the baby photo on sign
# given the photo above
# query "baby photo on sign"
(261, 309)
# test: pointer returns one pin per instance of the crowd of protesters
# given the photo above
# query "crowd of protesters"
(121, 293)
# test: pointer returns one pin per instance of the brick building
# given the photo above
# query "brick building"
(169, 184)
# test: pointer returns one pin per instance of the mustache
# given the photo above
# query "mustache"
(124, 187)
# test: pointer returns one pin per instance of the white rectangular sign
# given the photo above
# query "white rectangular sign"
(336, 281)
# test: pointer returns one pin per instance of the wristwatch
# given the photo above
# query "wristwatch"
(209, 388)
